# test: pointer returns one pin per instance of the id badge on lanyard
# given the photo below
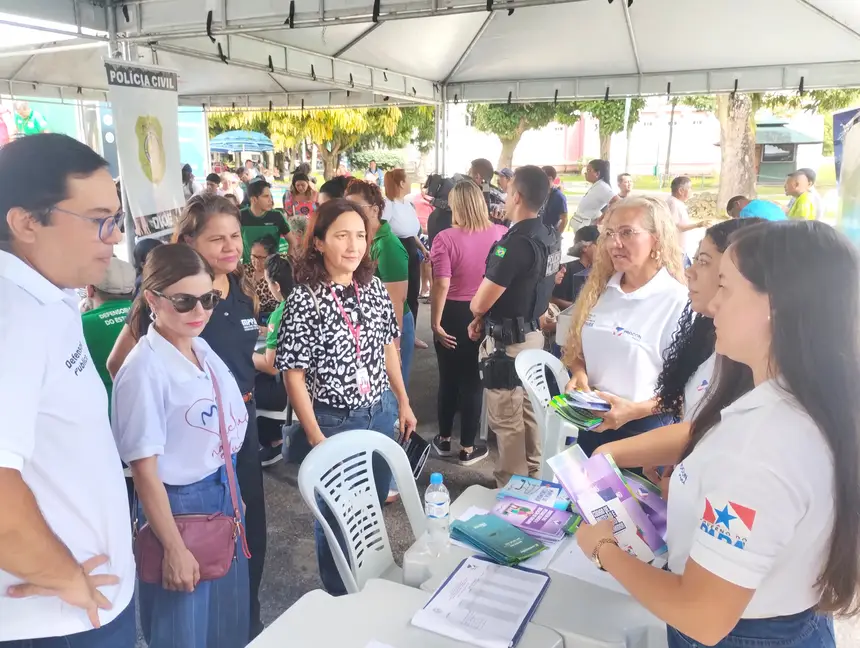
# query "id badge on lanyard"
(362, 376)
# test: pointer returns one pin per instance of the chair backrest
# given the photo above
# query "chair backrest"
(532, 366)
(339, 472)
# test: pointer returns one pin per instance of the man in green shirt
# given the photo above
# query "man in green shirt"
(111, 302)
(797, 186)
(28, 121)
(260, 213)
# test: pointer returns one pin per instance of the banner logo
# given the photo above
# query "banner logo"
(150, 141)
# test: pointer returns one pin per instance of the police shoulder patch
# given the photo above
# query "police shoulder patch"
(501, 252)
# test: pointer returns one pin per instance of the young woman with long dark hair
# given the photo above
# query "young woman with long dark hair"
(336, 349)
(211, 225)
(762, 524)
(163, 425)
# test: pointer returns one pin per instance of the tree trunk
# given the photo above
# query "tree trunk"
(506, 159)
(315, 150)
(605, 145)
(509, 145)
(329, 159)
(737, 148)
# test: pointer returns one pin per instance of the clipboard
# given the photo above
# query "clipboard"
(531, 612)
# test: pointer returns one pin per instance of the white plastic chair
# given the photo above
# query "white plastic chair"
(531, 366)
(340, 472)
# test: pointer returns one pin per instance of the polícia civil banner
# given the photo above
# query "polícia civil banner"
(144, 106)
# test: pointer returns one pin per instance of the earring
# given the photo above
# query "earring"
(152, 315)
(655, 255)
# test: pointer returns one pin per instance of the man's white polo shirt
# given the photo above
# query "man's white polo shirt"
(56, 432)
(753, 503)
(626, 334)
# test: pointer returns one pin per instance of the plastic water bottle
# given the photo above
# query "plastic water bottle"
(437, 504)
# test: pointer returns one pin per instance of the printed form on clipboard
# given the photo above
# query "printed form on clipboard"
(484, 604)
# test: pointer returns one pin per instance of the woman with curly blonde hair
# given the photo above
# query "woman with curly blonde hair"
(625, 317)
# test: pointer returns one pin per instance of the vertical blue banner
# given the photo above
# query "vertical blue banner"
(193, 140)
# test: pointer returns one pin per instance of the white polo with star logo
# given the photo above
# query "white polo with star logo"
(753, 503)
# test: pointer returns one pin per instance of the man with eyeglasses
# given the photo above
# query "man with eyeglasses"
(66, 564)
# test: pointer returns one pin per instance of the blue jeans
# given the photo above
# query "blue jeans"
(803, 630)
(407, 346)
(590, 441)
(216, 614)
(119, 633)
(381, 417)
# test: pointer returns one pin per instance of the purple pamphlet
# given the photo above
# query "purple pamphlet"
(598, 491)
(536, 520)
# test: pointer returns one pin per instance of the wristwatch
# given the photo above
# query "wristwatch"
(595, 555)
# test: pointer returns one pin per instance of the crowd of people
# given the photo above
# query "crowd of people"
(727, 369)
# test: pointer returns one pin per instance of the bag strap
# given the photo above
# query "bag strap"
(228, 463)
(319, 317)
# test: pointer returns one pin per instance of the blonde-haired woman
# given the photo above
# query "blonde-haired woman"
(625, 317)
(459, 257)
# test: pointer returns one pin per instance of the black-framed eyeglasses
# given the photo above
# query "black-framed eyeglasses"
(184, 303)
(107, 225)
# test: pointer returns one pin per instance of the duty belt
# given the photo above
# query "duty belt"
(510, 331)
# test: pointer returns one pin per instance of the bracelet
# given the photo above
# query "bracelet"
(595, 555)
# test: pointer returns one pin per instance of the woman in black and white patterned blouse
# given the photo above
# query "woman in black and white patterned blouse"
(336, 347)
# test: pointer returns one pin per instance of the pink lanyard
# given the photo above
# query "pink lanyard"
(354, 329)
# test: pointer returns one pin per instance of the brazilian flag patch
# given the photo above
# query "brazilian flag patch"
(501, 252)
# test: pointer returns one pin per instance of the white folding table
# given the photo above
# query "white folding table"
(380, 612)
(585, 615)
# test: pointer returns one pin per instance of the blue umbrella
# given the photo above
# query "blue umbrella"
(233, 141)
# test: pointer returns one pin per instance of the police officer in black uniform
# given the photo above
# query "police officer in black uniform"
(515, 292)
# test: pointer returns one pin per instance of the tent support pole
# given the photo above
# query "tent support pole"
(443, 140)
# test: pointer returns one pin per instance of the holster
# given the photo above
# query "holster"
(509, 331)
(498, 371)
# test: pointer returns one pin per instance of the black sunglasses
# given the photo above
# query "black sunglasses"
(183, 303)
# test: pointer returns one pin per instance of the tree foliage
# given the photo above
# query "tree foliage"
(333, 130)
(510, 121)
(610, 116)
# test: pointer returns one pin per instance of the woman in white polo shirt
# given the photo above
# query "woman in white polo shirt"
(167, 428)
(689, 361)
(625, 317)
(762, 521)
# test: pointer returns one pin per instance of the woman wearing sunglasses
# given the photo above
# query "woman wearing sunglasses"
(625, 317)
(167, 425)
(210, 225)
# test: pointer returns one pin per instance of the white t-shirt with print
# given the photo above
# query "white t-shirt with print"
(753, 503)
(626, 334)
(56, 433)
(164, 406)
(698, 385)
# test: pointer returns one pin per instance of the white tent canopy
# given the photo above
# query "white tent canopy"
(430, 51)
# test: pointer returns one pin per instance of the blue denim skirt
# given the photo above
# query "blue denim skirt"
(216, 613)
(804, 630)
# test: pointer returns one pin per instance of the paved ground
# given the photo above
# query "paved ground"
(291, 563)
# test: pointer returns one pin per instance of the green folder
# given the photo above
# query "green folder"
(498, 539)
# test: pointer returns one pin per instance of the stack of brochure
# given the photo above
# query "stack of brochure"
(543, 523)
(598, 491)
(579, 408)
(496, 538)
(536, 490)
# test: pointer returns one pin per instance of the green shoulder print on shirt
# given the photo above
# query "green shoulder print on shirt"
(501, 252)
